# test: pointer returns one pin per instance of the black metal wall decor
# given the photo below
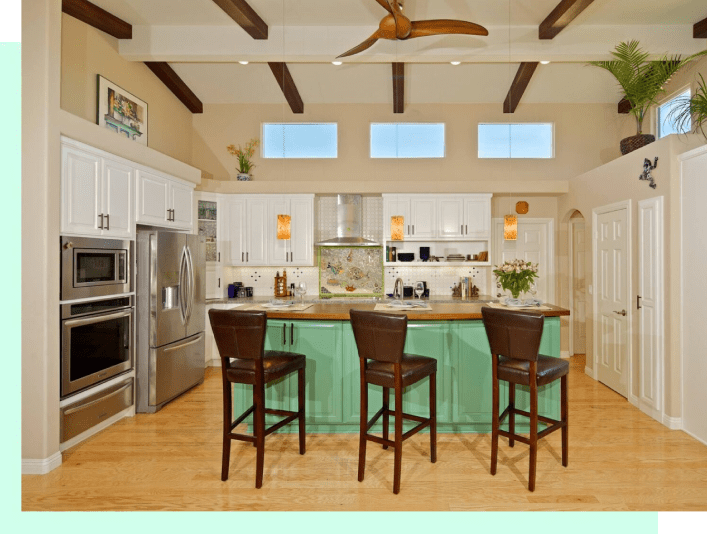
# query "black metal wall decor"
(646, 174)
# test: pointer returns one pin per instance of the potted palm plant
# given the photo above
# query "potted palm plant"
(690, 114)
(642, 83)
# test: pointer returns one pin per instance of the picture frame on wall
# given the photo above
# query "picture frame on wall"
(121, 111)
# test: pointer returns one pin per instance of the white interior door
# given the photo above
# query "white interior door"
(535, 243)
(578, 320)
(650, 305)
(612, 298)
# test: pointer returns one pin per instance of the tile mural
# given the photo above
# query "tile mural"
(350, 272)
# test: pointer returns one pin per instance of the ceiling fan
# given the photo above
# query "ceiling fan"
(395, 25)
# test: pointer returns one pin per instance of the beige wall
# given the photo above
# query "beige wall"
(587, 136)
(87, 52)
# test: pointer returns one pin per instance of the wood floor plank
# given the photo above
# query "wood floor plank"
(620, 459)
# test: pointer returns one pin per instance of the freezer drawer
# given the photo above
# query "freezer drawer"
(88, 412)
(174, 368)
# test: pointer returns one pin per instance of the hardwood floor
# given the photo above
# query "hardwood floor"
(619, 459)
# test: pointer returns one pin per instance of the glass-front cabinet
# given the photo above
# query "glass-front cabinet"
(208, 212)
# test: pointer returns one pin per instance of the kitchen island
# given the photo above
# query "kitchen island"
(452, 332)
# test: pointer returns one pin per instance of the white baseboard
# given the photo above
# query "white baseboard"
(633, 399)
(675, 423)
(41, 467)
(589, 372)
(216, 362)
(565, 354)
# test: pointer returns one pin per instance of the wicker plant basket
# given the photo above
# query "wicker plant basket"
(635, 142)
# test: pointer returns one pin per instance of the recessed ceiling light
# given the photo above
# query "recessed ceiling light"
(336, 62)
(243, 62)
(456, 62)
(544, 62)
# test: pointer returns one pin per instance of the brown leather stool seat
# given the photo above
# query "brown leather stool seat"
(240, 337)
(514, 337)
(380, 338)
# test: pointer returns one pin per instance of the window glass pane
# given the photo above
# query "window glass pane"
(516, 140)
(299, 140)
(395, 140)
(666, 123)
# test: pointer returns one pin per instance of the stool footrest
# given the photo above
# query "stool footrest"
(242, 437)
(550, 429)
(416, 429)
(375, 418)
(516, 437)
(242, 417)
(277, 426)
(381, 441)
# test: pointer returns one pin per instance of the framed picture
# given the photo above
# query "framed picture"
(121, 111)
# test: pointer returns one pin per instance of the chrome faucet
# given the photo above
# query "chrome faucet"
(398, 289)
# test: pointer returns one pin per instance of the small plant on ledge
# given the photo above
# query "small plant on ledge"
(244, 155)
(516, 276)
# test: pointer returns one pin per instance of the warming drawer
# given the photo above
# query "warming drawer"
(80, 416)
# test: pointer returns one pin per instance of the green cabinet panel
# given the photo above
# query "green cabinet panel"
(352, 382)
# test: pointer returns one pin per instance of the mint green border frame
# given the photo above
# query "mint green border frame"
(350, 295)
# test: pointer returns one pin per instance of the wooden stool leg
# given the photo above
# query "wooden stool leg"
(564, 416)
(259, 394)
(511, 414)
(364, 423)
(227, 418)
(300, 407)
(533, 426)
(494, 424)
(386, 413)
(433, 417)
(398, 438)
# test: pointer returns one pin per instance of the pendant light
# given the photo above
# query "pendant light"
(284, 221)
(283, 226)
(510, 222)
(397, 223)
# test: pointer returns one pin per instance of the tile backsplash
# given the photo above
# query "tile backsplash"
(439, 279)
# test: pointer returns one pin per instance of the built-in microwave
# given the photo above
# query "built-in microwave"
(95, 267)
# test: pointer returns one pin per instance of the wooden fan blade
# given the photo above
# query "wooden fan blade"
(385, 5)
(425, 28)
(368, 43)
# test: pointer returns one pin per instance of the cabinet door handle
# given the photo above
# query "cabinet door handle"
(169, 215)
(284, 334)
(173, 215)
(413, 229)
(461, 230)
(467, 229)
(219, 282)
(219, 257)
(107, 221)
(408, 229)
(292, 334)
(242, 253)
(638, 302)
(246, 257)
(101, 225)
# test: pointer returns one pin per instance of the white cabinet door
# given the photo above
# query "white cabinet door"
(81, 191)
(278, 249)
(477, 218)
(235, 233)
(396, 205)
(450, 217)
(423, 218)
(180, 201)
(256, 225)
(152, 199)
(118, 200)
(302, 236)
(214, 282)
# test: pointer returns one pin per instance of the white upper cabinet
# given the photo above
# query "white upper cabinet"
(96, 194)
(299, 249)
(256, 232)
(440, 217)
(162, 201)
(180, 201)
(234, 231)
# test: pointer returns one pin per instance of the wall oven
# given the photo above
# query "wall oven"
(96, 342)
(94, 267)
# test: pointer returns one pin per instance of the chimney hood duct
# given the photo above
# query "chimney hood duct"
(348, 224)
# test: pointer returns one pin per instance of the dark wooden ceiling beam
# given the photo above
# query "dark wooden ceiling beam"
(175, 84)
(245, 16)
(520, 83)
(287, 84)
(398, 87)
(699, 30)
(98, 18)
(564, 13)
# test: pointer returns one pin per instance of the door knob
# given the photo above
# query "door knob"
(622, 312)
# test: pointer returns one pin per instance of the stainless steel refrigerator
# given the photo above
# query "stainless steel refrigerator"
(170, 274)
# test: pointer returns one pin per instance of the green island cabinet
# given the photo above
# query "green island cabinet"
(333, 376)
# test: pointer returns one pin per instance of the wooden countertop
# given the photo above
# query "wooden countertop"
(337, 311)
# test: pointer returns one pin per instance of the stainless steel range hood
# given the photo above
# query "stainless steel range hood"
(348, 224)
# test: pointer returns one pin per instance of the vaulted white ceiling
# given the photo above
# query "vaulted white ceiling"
(203, 45)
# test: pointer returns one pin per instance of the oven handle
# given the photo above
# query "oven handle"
(188, 343)
(102, 399)
(97, 318)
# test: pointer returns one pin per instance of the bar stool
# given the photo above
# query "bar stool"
(380, 337)
(240, 337)
(514, 337)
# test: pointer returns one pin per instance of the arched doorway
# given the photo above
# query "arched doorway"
(577, 290)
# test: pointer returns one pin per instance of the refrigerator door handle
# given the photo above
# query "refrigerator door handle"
(183, 289)
(192, 284)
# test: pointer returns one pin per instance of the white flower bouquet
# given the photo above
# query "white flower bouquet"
(516, 276)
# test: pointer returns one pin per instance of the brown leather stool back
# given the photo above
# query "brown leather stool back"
(379, 337)
(238, 334)
(514, 335)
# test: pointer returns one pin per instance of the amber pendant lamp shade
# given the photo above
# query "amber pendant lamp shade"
(283, 226)
(396, 227)
(510, 228)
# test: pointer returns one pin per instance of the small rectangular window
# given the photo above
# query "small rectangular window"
(667, 122)
(300, 140)
(407, 140)
(527, 140)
